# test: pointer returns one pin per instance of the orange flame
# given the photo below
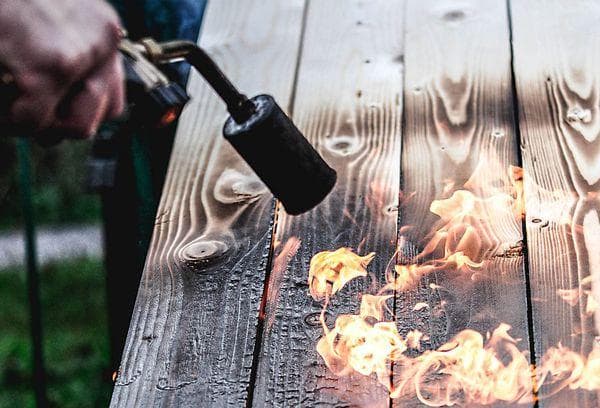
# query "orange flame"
(413, 339)
(331, 270)
(469, 369)
(354, 344)
(373, 306)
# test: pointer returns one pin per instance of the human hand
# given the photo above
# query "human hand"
(63, 58)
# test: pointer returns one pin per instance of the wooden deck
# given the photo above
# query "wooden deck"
(409, 100)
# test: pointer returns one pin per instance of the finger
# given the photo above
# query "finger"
(36, 106)
(82, 113)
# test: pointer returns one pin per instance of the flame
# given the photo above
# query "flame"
(373, 306)
(468, 369)
(331, 270)
(419, 306)
(465, 225)
(448, 187)
(413, 339)
(407, 276)
(354, 344)
(283, 255)
(589, 378)
(461, 260)
(368, 343)
(471, 368)
(571, 296)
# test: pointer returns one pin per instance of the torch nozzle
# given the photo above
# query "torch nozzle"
(259, 130)
(238, 104)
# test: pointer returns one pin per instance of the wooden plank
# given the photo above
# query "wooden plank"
(193, 330)
(348, 104)
(459, 127)
(556, 59)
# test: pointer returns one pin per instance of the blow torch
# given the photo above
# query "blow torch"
(258, 129)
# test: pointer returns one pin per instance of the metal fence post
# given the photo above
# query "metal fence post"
(33, 289)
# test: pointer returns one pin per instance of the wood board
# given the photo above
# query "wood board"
(348, 104)
(192, 335)
(200, 335)
(459, 128)
(556, 58)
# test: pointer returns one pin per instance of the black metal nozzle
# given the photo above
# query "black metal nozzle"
(237, 103)
(280, 155)
(261, 132)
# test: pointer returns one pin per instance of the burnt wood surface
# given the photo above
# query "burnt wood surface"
(408, 100)
(557, 60)
(348, 104)
(458, 112)
(193, 329)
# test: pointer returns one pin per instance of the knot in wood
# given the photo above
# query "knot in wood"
(453, 15)
(342, 145)
(390, 209)
(232, 186)
(204, 251)
(314, 319)
(577, 114)
(497, 133)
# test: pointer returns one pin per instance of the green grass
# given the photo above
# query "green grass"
(75, 336)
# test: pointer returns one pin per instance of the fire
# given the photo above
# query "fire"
(468, 369)
(373, 306)
(369, 343)
(464, 230)
(471, 368)
(571, 296)
(331, 270)
(354, 344)
(407, 276)
(413, 339)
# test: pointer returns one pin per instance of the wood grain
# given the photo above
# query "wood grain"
(348, 104)
(193, 330)
(556, 58)
(459, 113)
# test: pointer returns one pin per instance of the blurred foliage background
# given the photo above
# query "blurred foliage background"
(73, 291)
(75, 336)
(58, 185)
